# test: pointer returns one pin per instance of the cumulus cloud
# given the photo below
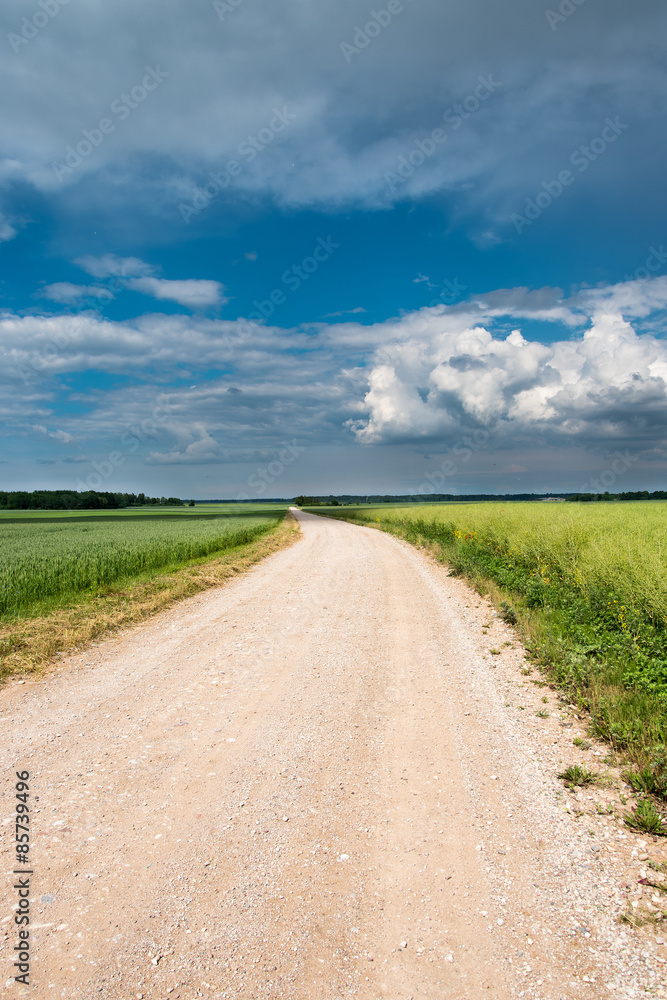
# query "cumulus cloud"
(202, 451)
(196, 294)
(610, 383)
(424, 379)
(633, 299)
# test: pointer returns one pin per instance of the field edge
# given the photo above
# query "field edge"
(598, 704)
(30, 645)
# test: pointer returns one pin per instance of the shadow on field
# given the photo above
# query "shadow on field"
(62, 516)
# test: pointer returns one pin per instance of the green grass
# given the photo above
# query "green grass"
(584, 584)
(648, 780)
(645, 817)
(51, 558)
(575, 775)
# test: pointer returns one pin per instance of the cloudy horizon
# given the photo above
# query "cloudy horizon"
(259, 251)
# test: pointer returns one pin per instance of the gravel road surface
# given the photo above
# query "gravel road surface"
(317, 782)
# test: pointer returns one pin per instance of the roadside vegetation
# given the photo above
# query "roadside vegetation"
(66, 578)
(586, 588)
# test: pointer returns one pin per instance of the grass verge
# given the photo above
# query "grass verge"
(28, 644)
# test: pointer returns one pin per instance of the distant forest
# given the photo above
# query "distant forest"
(90, 500)
(94, 500)
(335, 500)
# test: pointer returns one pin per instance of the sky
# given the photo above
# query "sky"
(255, 249)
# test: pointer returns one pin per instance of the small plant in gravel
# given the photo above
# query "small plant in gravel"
(542, 714)
(494, 652)
(641, 919)
(575, 775)
(649, 780)
(582, 744)
(646, 817)
(507, 613)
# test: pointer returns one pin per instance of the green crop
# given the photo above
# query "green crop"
(50, 556)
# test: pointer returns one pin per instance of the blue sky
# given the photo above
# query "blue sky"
(255, 249)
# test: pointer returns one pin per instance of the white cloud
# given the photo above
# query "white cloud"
(58, 435)
(609, 384)
(424, 378)
(65, 292)
(110, 266)
(202, 451)
(196, 294)
(346, 312)
(137, 275)
(634, 299)
(7, 231)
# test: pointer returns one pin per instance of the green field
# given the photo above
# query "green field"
(587, 588)
(48, 557)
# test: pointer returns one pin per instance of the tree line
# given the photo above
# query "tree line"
(629, 495)
(90, 500)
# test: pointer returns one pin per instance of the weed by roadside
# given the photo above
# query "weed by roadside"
(636, 920)
(645, 817)
(575, 775)
(649, 780)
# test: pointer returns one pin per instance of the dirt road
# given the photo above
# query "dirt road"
(313, 783)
